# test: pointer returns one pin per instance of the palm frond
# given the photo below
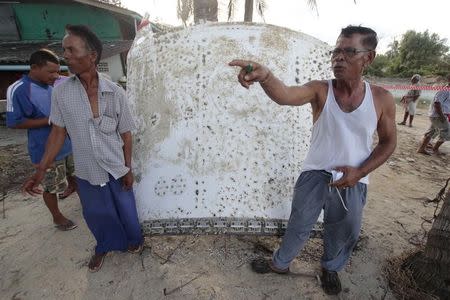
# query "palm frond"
(261, 7)
(185, 9)
(313, 5)
(231, 9)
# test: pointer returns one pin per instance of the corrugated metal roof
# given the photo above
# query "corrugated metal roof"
(94, 3)
(19, 52)
(111, 7)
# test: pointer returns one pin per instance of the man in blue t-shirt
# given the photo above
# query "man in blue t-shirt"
(28, 107)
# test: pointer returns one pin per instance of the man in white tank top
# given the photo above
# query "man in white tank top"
(346, 113)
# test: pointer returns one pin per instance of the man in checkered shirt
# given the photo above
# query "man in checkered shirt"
(95, 114)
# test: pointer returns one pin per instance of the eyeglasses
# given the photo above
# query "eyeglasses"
(348, 52)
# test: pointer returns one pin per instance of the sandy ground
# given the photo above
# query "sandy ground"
(39, 262)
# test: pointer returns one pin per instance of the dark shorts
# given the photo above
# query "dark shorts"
(438, 128)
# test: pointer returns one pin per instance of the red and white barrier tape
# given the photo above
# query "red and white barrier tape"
(415, 87)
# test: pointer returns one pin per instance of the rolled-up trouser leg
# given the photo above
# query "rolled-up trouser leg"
(310, 193)
(342, 227)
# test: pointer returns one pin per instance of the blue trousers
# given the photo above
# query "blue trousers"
(110, 213)
(341, 226)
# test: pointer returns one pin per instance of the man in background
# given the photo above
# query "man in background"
(409, 101)
(439, 114)
(28, 107)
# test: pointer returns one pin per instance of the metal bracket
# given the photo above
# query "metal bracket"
(221, 226)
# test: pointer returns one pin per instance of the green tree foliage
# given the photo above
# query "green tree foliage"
(416, 52)
(379, 66)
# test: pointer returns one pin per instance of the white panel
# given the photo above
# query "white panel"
(206, 147)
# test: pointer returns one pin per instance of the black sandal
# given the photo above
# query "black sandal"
(331, 283)
(262, 266)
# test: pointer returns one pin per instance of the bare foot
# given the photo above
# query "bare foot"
(70, 189)
(96, 262)
(59, 219)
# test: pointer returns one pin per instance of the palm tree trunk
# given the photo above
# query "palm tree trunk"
(431, 268)
(248, 15)
(205, 10)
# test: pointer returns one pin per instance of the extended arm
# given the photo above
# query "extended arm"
(274, 88)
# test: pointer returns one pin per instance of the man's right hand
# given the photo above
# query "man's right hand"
(31, 185)
(251, 72)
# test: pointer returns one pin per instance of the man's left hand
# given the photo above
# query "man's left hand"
(349, 179)
(127, 181)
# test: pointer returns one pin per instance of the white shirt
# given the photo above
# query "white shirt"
(96, 142)
(342, 138)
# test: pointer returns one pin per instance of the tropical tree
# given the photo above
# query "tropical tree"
(248, 11)
(206, 10)
(425, 274)
(202, 10)
(416, 52)
(419, 52)
(379, 66)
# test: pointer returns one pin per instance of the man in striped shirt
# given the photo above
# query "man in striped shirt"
(95, 113)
